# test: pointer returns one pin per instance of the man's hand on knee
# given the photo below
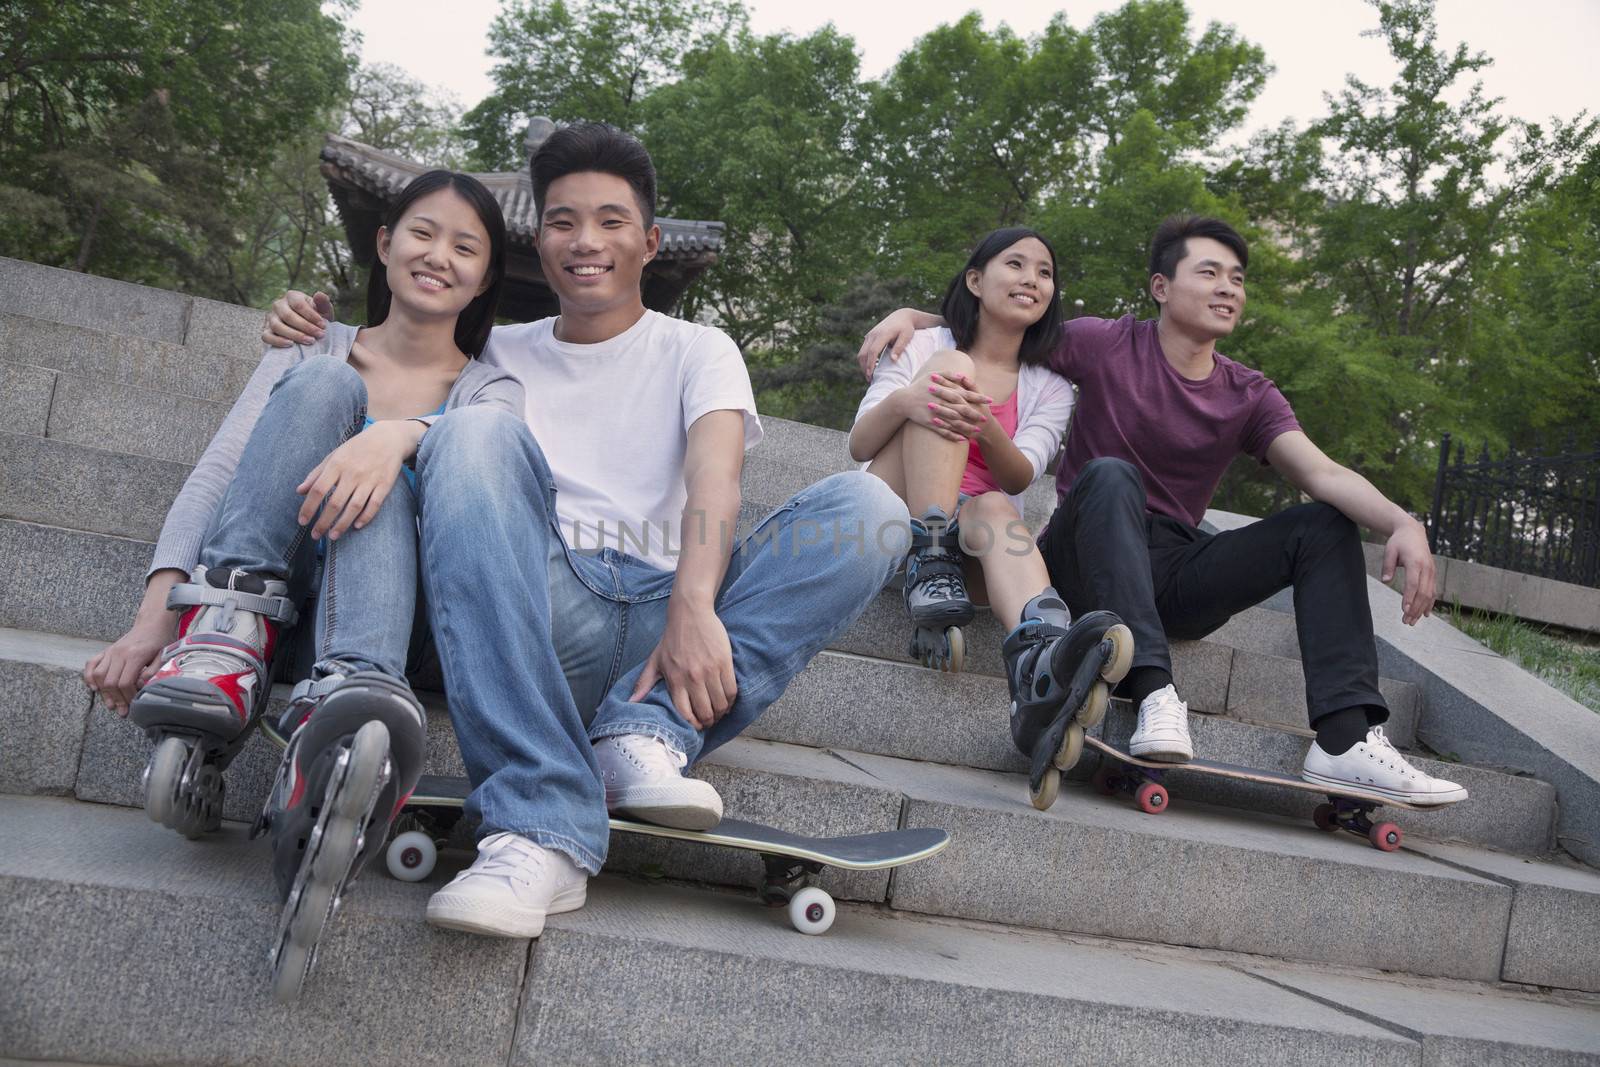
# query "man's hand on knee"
(695, 659)
(1408, 548)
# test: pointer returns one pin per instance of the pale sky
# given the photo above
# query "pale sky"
(1544, 50)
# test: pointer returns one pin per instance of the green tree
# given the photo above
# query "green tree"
(823, 385)
(126, 129)
(765, 134)
(1422, 198)
(289, 232)
(979, 129)
(585, 60)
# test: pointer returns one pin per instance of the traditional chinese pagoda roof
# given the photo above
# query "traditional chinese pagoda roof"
(366, 180)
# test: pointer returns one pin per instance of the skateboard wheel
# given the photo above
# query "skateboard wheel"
(1071, 749)
(1324, 817)
(411, 856)
(1115, 668)
(1104, 782)
(1151, 797)
(811, 910)
(1048, 789)
(1385, 837)
(956, 645)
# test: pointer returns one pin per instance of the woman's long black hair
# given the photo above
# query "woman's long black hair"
(477, 318)
(960, 308)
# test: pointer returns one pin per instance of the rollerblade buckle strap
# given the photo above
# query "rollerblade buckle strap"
(279, 609)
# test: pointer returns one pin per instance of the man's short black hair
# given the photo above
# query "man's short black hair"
(1171, 241)
(598, 147)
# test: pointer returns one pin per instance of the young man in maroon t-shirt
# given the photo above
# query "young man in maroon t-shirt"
(1160, 415)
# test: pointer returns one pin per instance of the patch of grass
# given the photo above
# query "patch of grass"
(1568, 665)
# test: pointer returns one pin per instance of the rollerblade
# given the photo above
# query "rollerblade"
(1061, 678)
(936, 595)
(354, 756)
(203, 700)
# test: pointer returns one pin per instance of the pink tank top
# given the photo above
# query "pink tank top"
(977, 479)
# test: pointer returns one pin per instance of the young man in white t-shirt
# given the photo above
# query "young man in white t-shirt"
(598, 627)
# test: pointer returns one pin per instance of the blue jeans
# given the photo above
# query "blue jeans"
(541, 646)
(368, 598)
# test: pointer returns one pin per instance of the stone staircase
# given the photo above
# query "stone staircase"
(1227, 930)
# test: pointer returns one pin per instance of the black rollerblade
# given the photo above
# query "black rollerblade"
(355, 754)
(205, 697)
(1061, 678)
(935, 592)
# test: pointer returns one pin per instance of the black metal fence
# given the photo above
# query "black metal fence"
(1531, 512)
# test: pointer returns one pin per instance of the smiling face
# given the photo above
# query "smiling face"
(1014, 288)
(593, 245)
(437, 256)
(1205, 295)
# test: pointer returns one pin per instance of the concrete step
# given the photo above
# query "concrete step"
(1215, 675)
(1218, 878)
(124, 309)
(52, 483)
(114, 921)
(1207, 858)
(144, 405)
(916, 714)
(207, 374)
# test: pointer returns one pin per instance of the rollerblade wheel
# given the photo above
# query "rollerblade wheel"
(332, 848)
(1093, 712)
(1385, 837)
(411, 856)
(1049, 789)
(1116, 666)
(811, 911)
(956, 646)
(1324, 818)
(1071, 749)
(162, 779)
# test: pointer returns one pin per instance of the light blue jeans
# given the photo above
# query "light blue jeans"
(541, 646)
(367, 603)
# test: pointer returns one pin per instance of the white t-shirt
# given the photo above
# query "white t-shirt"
(613, 420)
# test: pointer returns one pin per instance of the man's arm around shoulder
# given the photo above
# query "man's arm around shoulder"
(1308, 469)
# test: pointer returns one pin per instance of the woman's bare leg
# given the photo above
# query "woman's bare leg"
(1013, 570)
(918, 464)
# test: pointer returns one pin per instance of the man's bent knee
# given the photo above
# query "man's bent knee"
(868, 518)
(1326, 521)
(1108, 470)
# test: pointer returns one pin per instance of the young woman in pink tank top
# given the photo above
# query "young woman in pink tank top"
(960, 426)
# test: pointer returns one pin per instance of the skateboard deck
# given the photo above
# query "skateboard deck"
(1347, 808)
(791, 860)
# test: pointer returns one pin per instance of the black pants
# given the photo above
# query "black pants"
(1166, 578)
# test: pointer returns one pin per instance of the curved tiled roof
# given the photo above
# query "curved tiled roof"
(383, 174)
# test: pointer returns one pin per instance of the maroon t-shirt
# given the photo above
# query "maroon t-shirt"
(1180, 434)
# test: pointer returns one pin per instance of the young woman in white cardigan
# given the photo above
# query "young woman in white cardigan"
(959, 427)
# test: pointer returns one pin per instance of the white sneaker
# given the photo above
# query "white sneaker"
(1376, 766)
(1163, 732)
(509, 889)
(643, 777)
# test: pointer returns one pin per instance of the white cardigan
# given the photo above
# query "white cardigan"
(1044, 398)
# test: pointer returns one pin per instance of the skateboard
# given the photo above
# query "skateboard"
(790, 859)
(1346, 809)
